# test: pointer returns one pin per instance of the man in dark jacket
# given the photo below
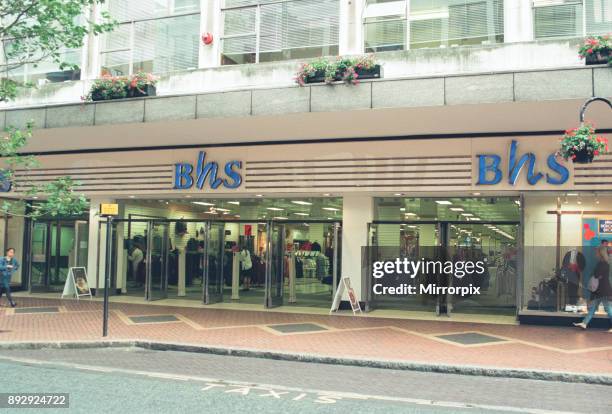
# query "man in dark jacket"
(603, 293)
(8, 266)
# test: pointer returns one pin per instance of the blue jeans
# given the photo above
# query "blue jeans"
(6, 287)
(594, 306)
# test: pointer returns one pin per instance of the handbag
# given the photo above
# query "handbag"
(593, 284)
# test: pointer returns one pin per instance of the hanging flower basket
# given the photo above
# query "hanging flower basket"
(597, 50)
(581, 145)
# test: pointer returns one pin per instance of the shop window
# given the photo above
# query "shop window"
(485, 230)
(432, 23)
(571, 18)
(258, 31)
(152, 36)
(563, 239)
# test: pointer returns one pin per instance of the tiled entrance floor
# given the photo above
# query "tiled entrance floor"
(426, 341)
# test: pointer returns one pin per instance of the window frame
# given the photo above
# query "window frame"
(409, 18)
(540, 4)
(131, 31)
(257, 5)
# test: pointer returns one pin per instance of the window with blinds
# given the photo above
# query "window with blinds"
(444, 23)
(264, 31)
(154, 36)
(571, 18)
(432, 23)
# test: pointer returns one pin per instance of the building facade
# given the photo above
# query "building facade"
(235, 184)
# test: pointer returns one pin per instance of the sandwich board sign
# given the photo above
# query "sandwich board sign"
(76, 283)
(345, 284)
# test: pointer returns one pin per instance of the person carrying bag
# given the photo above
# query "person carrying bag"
(599, 286)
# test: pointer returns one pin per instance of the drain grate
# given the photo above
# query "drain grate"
(154, 319)
(297, 327)
(471, 338)
(49, 309)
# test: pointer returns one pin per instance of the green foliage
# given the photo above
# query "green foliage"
(596, 44)
(108, 87)
(118, 87)
(580, 139)
(58, 196)
(342, 68)
(37, 30)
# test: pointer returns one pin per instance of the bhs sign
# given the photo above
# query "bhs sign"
(185, 176)
(490, 173)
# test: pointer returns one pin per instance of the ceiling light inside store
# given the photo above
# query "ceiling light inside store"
(444, 202)
(279, 218)
(410, 214)
(202, 203)
(403, 209)
(258, 195)
(456, 209)
(132, 196)
(330, 209)
(475, 194)
(274, 209)
(222, 209)
(467, 214)
(398, 194)
(236, 203)
(572, 194)
(301, 203)
(301, 214)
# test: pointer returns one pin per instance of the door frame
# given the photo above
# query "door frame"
(163, 288)
(274, 300)
(444, 232)
(207, 297)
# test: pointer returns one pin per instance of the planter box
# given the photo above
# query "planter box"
(319, 77)
(97, 96)
(374, 73)
(583, 157)
(148, 90)
(599, 58)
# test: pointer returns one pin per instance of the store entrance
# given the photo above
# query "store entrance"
(493, 244)
(267, 263)
(455, 231)
(55, 246)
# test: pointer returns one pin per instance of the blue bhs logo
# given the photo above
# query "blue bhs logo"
(184, 179)
(489, 172)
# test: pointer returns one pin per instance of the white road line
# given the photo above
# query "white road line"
(269, 387)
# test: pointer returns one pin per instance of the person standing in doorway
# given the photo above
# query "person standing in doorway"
(599, 285)
(246, 266)
(8, 266)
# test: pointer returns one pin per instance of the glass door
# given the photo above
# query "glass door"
(39, 252)
(389, 241)
(494, 244)
(213, 262)
(275, 264)
(157, 260)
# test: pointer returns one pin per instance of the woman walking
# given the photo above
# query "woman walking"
(8, 266)
(599, 285)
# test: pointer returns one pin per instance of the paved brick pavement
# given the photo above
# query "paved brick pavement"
(524, 347)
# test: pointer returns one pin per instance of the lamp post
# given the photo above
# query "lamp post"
(108, 211)
(590, 101)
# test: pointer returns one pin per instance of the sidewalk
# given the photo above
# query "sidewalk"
(421, 342)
